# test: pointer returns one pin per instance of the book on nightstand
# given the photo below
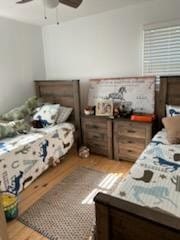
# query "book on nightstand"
(140, 117)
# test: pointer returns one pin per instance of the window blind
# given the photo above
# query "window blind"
(162, 51)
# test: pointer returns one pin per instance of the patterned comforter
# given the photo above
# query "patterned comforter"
(154, 180)
(24, 157)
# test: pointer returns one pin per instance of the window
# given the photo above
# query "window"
(162, 51)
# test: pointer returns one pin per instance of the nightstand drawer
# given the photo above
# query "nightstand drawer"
(131, 147)
(96, 136)
(131, 141)
(129, 152)
(136, 132)
(95, 125)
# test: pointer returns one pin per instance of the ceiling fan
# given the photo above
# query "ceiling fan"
(54, 3)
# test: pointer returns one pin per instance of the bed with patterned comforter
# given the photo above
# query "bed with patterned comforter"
(154, 180)
(24, 157)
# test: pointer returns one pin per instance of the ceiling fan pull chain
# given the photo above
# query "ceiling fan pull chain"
(44, 5)
(57, 15)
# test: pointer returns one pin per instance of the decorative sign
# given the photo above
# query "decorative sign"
(137, 93)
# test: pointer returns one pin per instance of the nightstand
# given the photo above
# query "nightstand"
(97, 135)
(130, 138)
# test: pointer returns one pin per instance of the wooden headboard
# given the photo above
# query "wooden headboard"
(169, 94)
(65, 93)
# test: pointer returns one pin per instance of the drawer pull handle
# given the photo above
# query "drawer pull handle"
(131, 131)
(91, 126)
(95, 145)
(130, 142)
(94, 126)
(130, 151)
(96, 137)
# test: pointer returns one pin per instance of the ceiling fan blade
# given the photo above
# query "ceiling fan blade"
(71, 3)
(24, 1)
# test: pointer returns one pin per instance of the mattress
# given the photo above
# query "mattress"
(154, 180)
(24, 157)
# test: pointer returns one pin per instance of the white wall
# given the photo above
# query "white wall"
(103, 45)
(21, 62)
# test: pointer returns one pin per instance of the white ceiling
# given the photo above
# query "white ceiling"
(33, 12)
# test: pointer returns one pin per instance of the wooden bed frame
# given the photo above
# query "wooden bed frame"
(117, 219)
(65, 93)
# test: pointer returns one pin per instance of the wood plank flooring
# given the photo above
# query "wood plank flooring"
(16, 230)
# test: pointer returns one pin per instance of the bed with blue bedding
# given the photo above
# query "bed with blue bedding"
(154, 180)
(147, 201)
(24, 157)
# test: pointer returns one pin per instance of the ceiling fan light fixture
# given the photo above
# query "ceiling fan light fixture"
(51, 3)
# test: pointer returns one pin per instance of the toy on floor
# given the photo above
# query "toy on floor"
(84, 152)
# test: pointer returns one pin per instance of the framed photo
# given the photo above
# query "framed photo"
(104, 107)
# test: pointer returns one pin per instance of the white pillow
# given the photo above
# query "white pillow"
(47, 114)
(64, 113)
(172, 111)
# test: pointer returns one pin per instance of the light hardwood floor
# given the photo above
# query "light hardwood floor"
(51, 177)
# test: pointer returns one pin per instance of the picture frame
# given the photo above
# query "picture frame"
(104, 107)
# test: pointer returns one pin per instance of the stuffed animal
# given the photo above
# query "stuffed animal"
(84, 152)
